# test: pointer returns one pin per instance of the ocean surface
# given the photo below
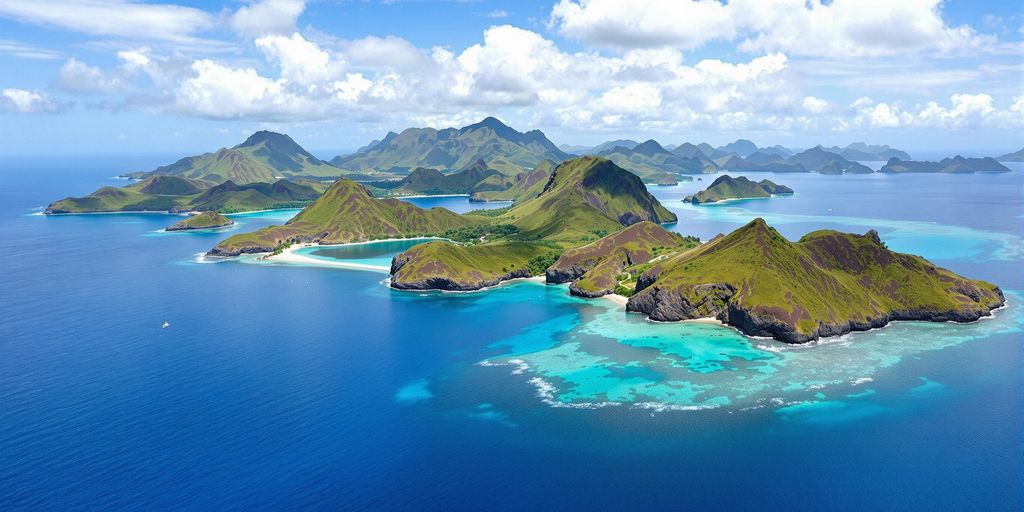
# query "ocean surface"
(285, 387)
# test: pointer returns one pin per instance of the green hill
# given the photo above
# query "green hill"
(205, 220)
(827, 283)
(346, 212)
(230, 198)
(490, 140)
(263, 157)
(584, 199)
(726, 187)
(177, 194)
(528, 185)
(583, 196)
(432, 181)
(154, 194)
(594, 268)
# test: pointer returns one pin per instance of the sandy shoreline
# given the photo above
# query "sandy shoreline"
(290, 256)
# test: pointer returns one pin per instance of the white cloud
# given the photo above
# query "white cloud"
(643, 23)
(26, 102)
(814, 105)
(300, 61)
(841, 28)
(266, 17)
(121, 18)
(965, 111)
(76, 76)
(26, 51)
(497, 14)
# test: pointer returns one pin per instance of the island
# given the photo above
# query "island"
(175, 194)
(727, 188)
(205, 220)
(955, 165)
(826, 284)
(1016, 156)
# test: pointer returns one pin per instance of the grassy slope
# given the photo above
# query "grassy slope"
(595, 267)
(790, 290)
(726, 187)
(528, 186)
(447, 266)
(582, 200)
(347, 213)
(175, 193)
(203, 220)
(583, 196)
(452, 149)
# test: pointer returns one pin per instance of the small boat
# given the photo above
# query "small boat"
(166, 324)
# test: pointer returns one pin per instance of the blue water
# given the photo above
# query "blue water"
(286, 387)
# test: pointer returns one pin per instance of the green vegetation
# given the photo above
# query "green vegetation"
(583, 195)
(504, 149)
(584, 199)
(598, 268)
(177, 194)
(205, 220)
(727, 187)
(475, 177)
(446, 266)
(479, 233)
(526, 186)
(347, 212)
(654, 163)
(263, 157)
(827, 283)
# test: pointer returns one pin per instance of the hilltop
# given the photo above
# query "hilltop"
(583, 199)
(346, 212)
(825, 284)
(263, 157)
(490, 140)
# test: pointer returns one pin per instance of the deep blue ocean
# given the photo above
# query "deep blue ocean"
(289, 387)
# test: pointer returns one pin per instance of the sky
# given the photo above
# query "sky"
(127, 76)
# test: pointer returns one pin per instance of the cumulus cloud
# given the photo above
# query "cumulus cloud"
(26, 102)
(814, 105)
(841, 28)
(963, 111)
(266, 17)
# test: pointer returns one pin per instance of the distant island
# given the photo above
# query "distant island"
(727, 188)
(595, 226)
(205, 220)
(955, 165)
(1016, 156)
(174, 194)
(488, 161)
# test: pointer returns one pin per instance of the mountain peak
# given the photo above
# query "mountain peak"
(649, 147)
(266, 136)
